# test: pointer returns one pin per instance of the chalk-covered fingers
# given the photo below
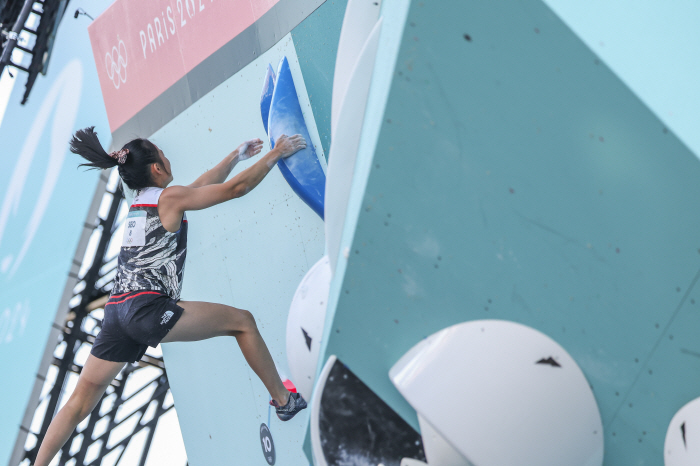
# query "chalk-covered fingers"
(249, 149)
(289, 145)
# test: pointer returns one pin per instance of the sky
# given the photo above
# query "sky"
(6, 85)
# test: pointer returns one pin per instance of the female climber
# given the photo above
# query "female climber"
(144, 307)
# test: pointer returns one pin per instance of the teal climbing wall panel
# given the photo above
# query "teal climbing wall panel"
(514, 176)
(316, 41)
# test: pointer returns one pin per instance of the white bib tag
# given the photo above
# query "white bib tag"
(135, 231)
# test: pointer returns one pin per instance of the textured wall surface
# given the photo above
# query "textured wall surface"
(514, 176)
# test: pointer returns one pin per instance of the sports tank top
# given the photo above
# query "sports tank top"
(151, 257)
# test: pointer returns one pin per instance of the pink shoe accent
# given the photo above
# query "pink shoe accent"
(289, 386)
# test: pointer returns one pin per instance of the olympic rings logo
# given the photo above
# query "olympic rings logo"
(116, 63)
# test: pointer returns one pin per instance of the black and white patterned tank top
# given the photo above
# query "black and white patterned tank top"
(151, 257)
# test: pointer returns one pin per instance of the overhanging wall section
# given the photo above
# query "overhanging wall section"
(514, 176)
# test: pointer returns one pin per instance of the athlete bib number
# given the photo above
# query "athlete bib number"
(135, 231)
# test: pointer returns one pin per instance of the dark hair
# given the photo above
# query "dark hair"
(135, 172)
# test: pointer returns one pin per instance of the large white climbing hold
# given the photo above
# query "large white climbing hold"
(502, 394)
(682, 445)
(307, 316)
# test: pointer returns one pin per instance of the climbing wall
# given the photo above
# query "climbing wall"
(506, 172)
(250, 253)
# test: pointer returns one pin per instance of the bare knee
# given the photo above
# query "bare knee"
(78, 408)
(249, 321)
(243, 321)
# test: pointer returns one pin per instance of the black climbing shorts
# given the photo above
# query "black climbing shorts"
(132, 322)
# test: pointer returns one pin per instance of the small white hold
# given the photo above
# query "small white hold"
(346, 252)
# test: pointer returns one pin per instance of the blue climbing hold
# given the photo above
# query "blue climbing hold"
(302, 170)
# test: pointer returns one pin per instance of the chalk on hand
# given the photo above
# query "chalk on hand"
(242, 152)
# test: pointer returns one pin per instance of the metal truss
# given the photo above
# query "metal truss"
(37, 43)
(126, 417)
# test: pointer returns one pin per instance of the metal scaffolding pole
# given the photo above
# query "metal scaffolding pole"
(13, 35)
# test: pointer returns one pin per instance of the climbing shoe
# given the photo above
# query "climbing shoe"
(295, 404)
